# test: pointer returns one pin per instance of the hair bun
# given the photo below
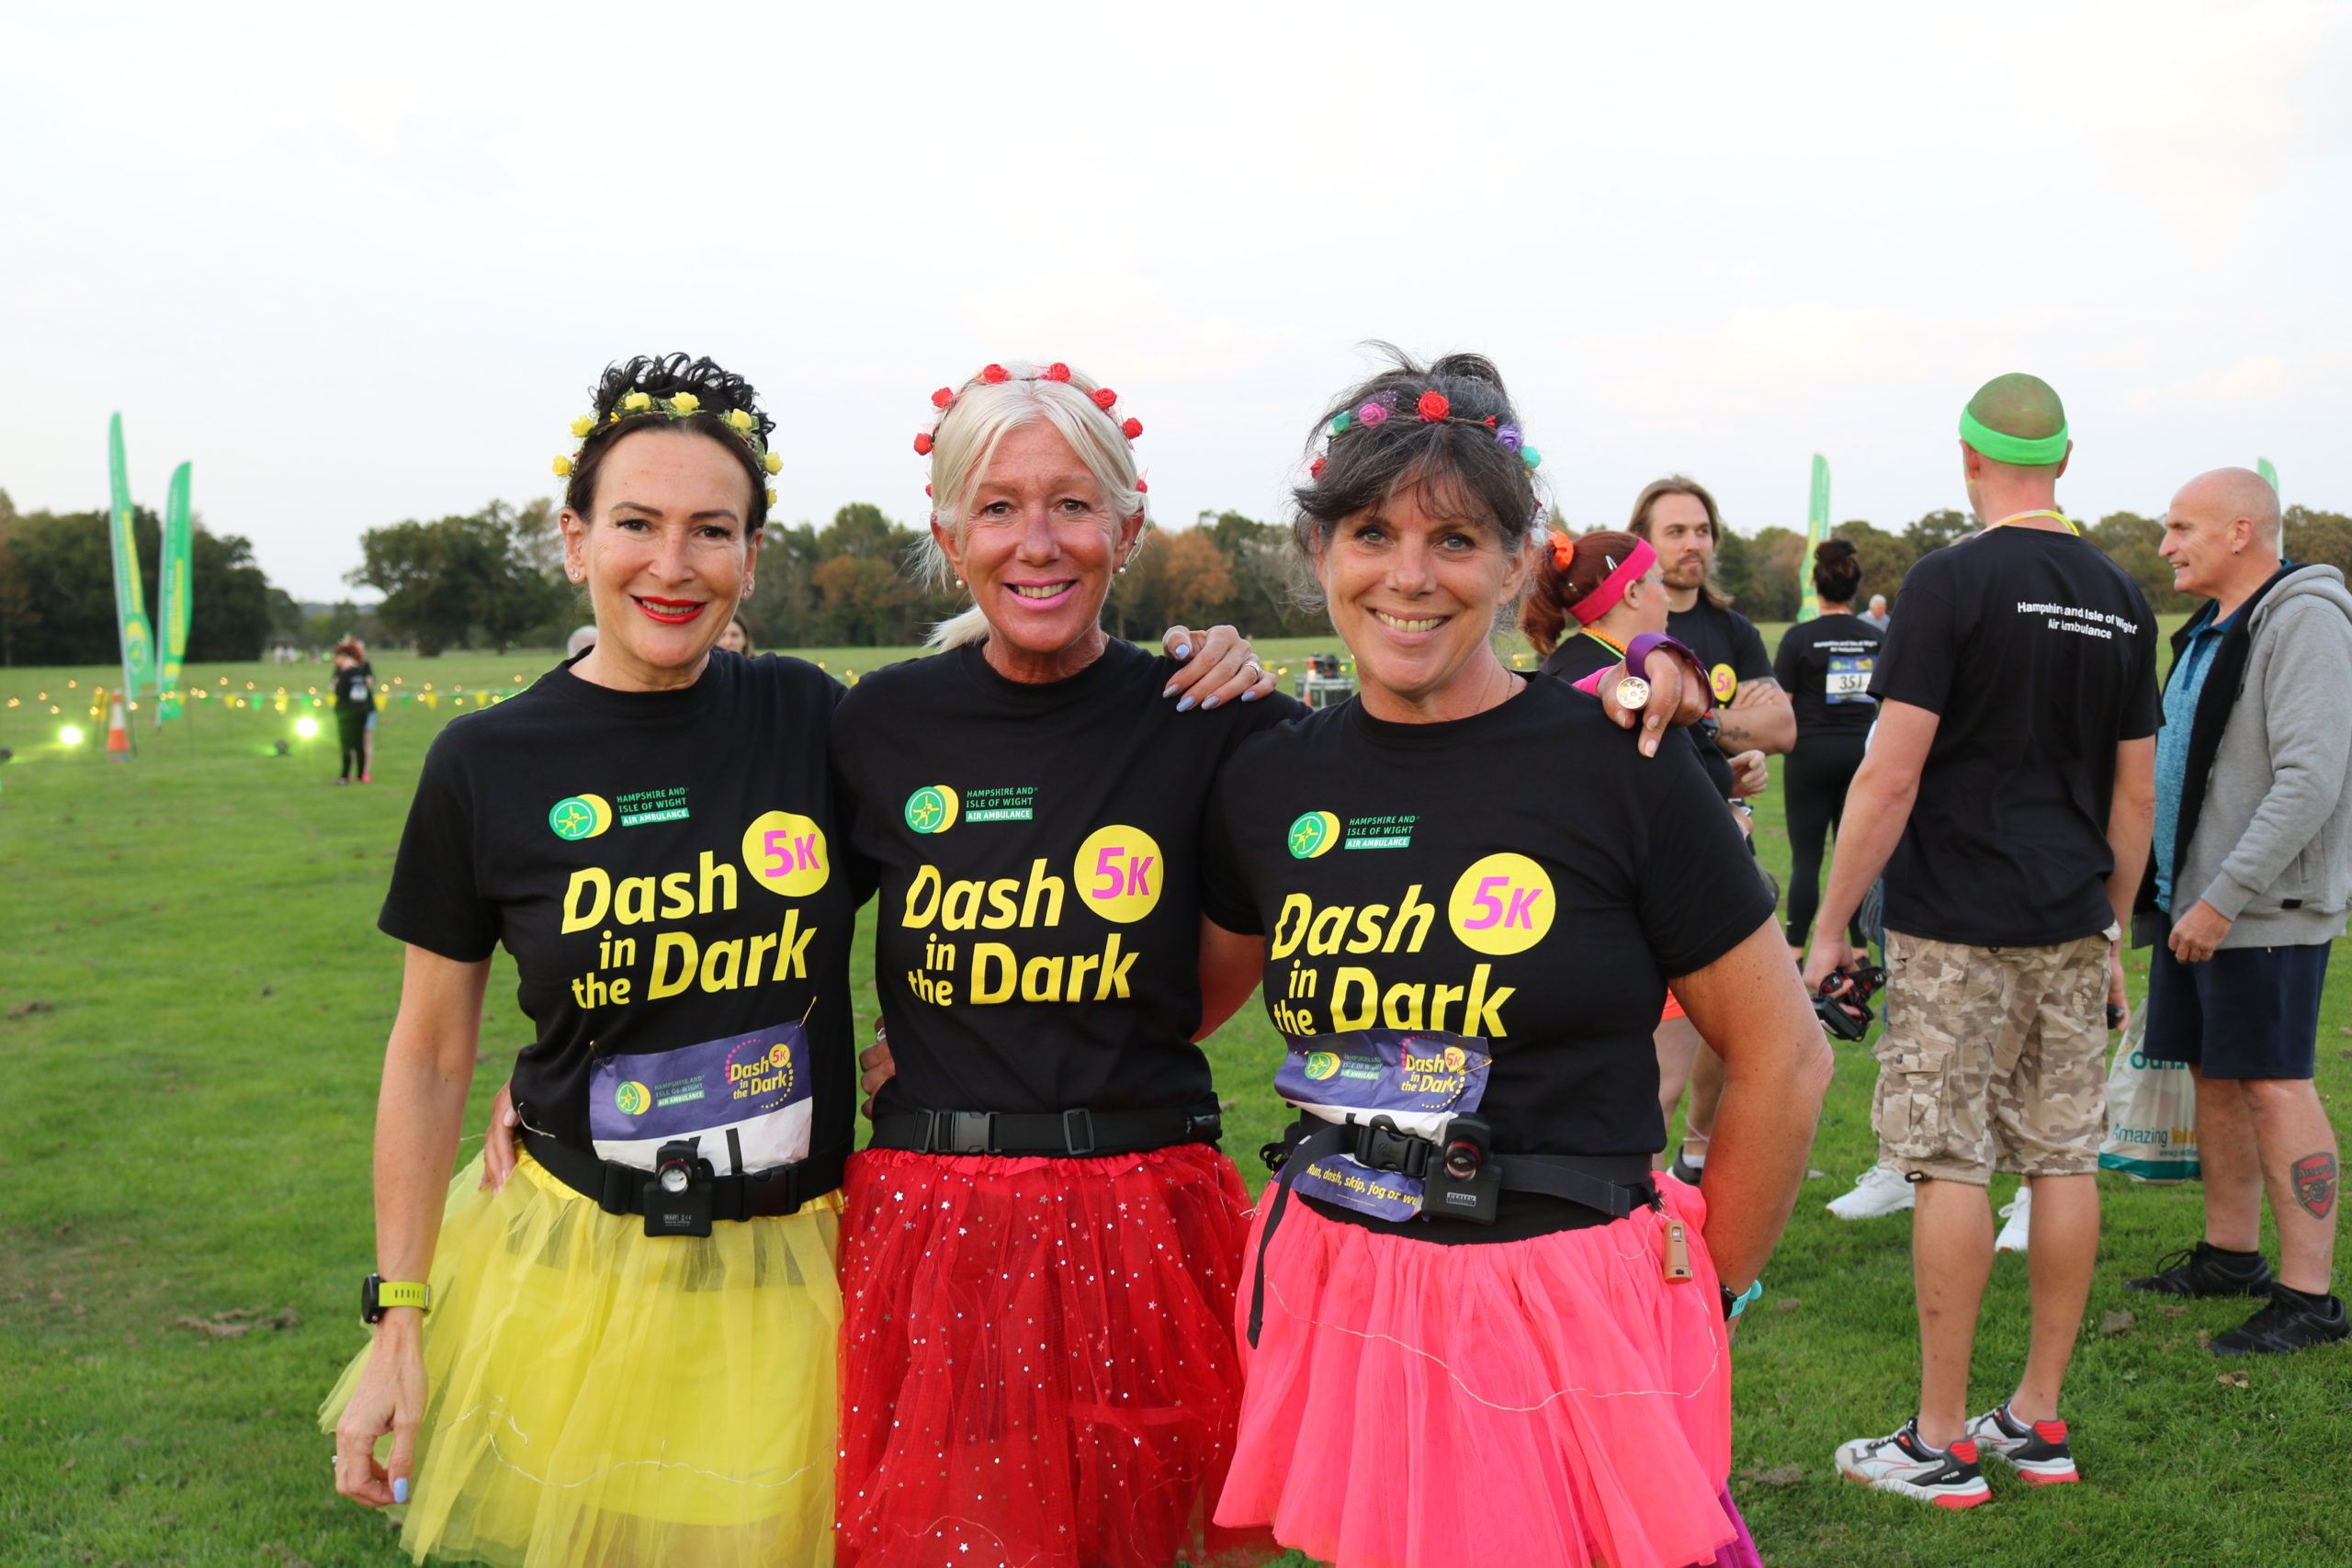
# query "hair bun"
(1470, 368)
(719, 389)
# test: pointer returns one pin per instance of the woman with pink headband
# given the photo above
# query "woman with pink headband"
(1611, 588)
(1468, 991)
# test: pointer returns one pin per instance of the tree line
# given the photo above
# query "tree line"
(495, 578)
(57, 588)
(1762, 570)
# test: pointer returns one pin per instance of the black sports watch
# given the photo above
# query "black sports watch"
(379, 1295)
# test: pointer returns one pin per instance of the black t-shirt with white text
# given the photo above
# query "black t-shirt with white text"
(1825, 664)
(354, 686)
(1523, 878)
(1037, 923)
(662, 864)
(1726, 641)
(2039, 654)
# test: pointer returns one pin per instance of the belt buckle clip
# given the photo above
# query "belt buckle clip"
(1382, 1146)
(1078, 1131)
(962, 1131)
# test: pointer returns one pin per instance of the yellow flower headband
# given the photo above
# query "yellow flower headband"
(740, 420)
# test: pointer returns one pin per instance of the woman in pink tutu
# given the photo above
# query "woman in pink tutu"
(1476, 1328)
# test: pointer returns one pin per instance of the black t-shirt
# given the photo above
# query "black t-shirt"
(355, 687)
(1727, 641)
(1582, 654)
(662, 864)
(1037, 929)
(1523, 876)
(1826, 665)
(2040, 656)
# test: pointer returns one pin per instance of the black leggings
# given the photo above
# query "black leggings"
(353, 723)
(1813, 786)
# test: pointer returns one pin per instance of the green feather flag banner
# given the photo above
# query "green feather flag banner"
(1817, 534)
(129, 598)
(173, 584)
(2262, 466)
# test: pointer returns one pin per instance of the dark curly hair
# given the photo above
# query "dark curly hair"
(1837, 571)
(1460, 468)
(719, 390)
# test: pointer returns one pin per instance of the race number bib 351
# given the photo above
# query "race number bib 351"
(1417, 1080)
(1850, 677)
(744, 1099)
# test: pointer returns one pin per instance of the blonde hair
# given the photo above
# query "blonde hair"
(965, 443)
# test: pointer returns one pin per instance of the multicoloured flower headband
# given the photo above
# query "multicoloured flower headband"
(1431, 409)
(743, 421)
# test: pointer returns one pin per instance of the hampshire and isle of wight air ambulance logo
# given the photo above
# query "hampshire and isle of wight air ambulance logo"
(1321, 1065)
(632, 1099)
(581, 816)
(1314, 833)
(932, 809)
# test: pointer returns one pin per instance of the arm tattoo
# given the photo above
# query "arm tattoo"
(2315, 1184)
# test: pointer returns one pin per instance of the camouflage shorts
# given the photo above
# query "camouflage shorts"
(1993, 1059)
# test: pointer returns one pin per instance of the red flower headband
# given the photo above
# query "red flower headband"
(997, 375)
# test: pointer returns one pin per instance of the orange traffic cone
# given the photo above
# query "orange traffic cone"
(118, 731)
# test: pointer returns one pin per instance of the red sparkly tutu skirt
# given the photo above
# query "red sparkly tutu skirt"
(1037, 1360)
(1543, 1404)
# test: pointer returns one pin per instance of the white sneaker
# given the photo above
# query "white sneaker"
(2019, 1212)
(1881, 1190)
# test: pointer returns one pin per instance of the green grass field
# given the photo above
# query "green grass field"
(193, 1006)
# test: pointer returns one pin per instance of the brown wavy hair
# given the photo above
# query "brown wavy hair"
(1683, 484)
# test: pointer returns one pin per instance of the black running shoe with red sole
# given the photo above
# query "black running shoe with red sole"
(2037, 1451)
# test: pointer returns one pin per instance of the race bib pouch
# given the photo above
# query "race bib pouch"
(742, 1103)
(1415, 1081)
(1849, 678)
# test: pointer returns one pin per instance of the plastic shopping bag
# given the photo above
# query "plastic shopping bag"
(2151, 1113)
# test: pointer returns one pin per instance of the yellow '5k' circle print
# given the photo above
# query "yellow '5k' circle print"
(785, 854)
(1117, 873)
(1503, 904)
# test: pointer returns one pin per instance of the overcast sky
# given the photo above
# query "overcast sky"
(362, 263)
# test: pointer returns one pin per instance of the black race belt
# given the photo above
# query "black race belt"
(1611, 1185)
(621, 1188)
(1066, 1134)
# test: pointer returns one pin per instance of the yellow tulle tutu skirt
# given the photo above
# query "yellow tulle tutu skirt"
(602, 1398)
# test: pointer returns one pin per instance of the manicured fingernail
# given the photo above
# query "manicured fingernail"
(400, 1488)
(1185, 704)
(1183, 650)
(1210, 704)
(1169, 690)
(1251, 697)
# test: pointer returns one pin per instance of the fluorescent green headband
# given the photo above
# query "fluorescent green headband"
(2003, 447)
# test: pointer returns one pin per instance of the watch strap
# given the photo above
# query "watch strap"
(1637, 659)
(404, 1293)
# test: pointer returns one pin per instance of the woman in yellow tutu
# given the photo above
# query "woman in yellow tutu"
(626, 1354)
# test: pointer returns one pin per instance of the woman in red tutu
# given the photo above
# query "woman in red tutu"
(1478, 1329)
(1040, 1248)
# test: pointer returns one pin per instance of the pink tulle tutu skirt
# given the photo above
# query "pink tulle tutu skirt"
(1542, 1403)
(1038, 1364)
